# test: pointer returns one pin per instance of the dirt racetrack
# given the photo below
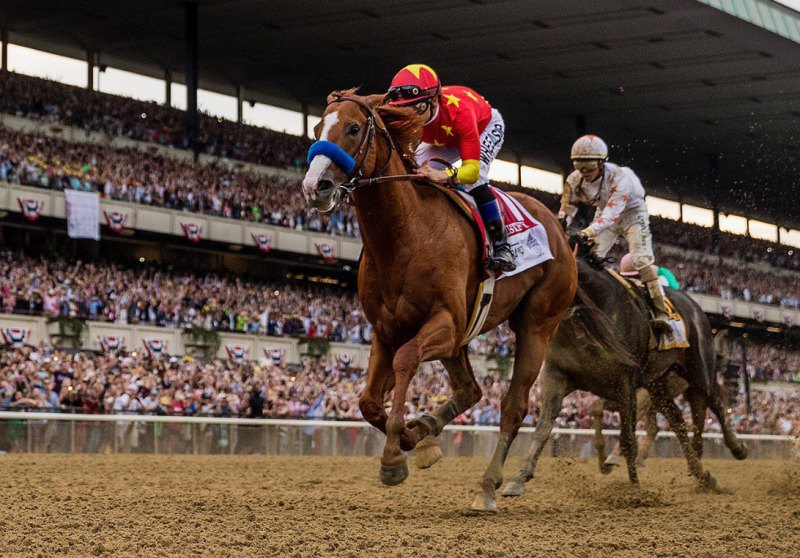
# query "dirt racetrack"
(119, 505)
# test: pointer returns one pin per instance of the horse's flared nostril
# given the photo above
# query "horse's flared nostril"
(324, 186)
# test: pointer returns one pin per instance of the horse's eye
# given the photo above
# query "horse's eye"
(354, 129)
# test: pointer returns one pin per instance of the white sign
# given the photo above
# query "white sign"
(83, 214)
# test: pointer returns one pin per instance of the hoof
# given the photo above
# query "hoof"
(428, 453)
(392, 476)
(513, 489)
(707, 481)
(740, 452)
(483, 503)
(614, 460)
(605, 468)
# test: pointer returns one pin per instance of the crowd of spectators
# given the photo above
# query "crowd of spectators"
(127, 174)
(44, 378)
(56, 103)
(170, 298)
(106, 291)
(733, 282)
(772, 363)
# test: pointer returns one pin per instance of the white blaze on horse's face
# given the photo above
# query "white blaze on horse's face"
(319, 171)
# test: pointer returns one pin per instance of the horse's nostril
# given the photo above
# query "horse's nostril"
(324, 186)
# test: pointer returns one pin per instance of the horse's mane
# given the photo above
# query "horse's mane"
(405, 130)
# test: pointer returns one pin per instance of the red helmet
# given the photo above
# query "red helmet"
(413, 84)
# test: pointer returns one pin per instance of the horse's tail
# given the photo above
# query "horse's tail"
(721, 350)
(600, 327)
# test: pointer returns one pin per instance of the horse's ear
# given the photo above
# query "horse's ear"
(374, 101)
(343, 93)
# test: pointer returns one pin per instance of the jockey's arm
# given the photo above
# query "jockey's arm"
(467, 173)
(567, 211)
(469, 148)
(609, 214)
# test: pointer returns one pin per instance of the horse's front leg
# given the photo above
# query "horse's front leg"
(466, 392)
(437, 338)
(379, 381)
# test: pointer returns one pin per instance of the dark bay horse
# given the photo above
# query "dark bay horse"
(574, 363)
(419, 276)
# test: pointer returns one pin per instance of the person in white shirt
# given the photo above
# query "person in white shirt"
(619, 197)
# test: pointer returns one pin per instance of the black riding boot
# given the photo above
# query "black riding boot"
(502, 259)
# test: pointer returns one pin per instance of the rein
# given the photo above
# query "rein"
(355, 175)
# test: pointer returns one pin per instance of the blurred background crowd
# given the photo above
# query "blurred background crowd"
(48, 379)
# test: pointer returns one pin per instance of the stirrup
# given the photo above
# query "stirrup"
(502, 259)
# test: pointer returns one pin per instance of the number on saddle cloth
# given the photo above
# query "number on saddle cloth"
(339, 156)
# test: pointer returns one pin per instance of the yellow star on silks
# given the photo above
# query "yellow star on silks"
(415, 69)
(471, 96)
(437, 144)
(452, 100)
(447, 130)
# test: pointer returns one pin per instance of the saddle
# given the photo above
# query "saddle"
(676, 338)
(527, 238)
(483, 301)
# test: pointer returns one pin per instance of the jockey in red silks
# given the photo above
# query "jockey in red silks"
(458, 123)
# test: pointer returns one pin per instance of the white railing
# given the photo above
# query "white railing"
(45, 432)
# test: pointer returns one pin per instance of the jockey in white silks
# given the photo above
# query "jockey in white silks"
(619, 197)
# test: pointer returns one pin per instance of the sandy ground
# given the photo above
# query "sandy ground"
(312, 506)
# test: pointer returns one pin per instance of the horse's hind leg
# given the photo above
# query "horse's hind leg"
(466, 392)
(697, 403)
(627, 428)
(738, 449)
(669, 409)
(531, 348)
(555, 386)
(596, 412)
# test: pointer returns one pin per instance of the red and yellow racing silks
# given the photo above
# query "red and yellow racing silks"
(463, 116)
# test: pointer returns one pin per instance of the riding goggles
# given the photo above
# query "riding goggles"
(586, 166)
(409, 94)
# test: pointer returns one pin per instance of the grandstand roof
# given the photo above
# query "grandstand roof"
(671, 84)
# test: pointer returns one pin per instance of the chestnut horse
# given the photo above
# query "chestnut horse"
(419, 274)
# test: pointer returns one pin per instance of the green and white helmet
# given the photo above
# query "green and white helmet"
(589, 147)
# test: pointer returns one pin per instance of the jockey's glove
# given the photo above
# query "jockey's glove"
(578, 238)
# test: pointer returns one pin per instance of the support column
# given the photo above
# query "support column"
(190, 15)
(90, 70)
(304, 111)
(4, 49)
(167, 87)
(239, 104)
(519, 170)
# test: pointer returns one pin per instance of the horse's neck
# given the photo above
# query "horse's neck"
(389, 214)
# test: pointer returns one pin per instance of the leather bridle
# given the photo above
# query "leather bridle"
(356, 179)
